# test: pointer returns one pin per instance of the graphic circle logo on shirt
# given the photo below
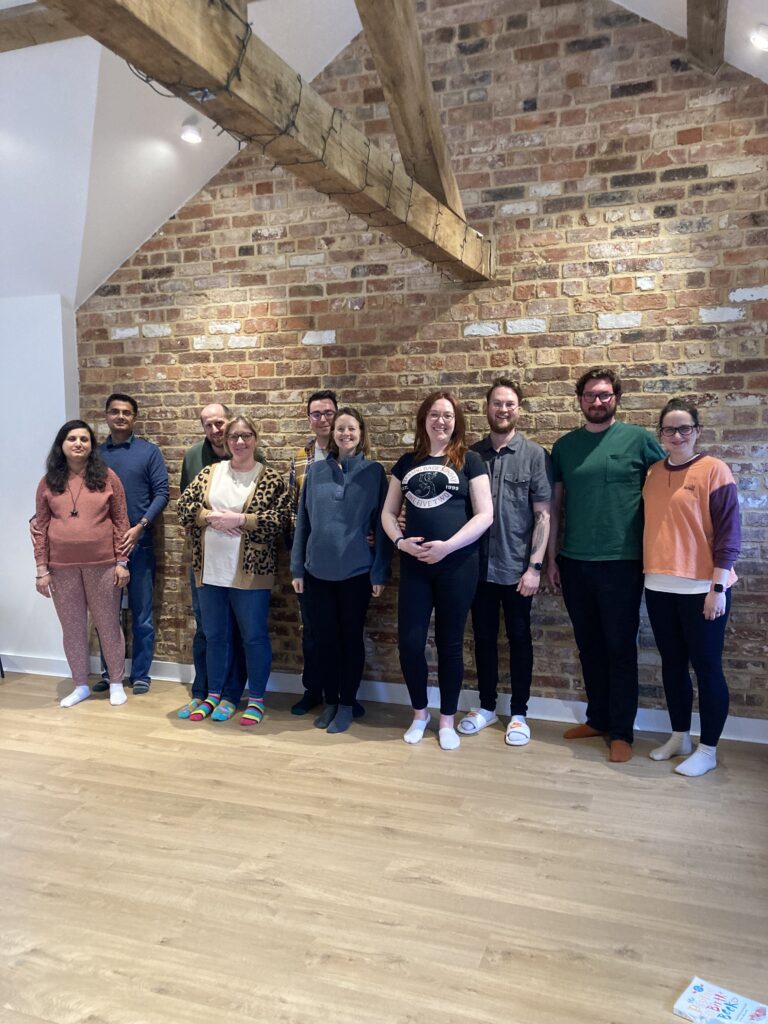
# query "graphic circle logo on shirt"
(430, 486)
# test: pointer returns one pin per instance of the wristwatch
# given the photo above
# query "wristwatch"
(718, 588)
(536, 565)
(144, 523)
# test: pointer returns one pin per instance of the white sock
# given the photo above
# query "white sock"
(678, 745)
(449, 739)
(415, 732)
(79, 693)
(701, 761)
(117, 694)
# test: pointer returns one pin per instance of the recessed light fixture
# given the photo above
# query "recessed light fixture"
(190, 131)
(759, 37)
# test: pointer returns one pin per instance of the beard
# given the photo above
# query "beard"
(601, 413)
(502, 423)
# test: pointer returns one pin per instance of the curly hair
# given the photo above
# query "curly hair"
(457, 445)
(57, 470)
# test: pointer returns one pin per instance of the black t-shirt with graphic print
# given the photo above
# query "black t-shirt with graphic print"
(437, 502)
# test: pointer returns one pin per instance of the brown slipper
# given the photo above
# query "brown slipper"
(581, 732)
(620, 751)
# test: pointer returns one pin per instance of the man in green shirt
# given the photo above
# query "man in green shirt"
(599, 471)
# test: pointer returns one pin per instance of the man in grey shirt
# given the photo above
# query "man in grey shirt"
(511, 556)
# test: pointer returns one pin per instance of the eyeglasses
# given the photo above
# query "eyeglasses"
(327, 414)
(447, 416)
(245, 436)
(597, 396)
(685, 431)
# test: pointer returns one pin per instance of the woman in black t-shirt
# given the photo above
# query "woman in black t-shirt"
(448, 508)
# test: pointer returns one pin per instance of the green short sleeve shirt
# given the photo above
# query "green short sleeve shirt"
(603, 475)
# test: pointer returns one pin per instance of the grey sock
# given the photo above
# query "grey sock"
(324, 720)
(342, 720)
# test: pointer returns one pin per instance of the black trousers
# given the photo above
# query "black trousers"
(489, 598)
(684, 638)
(603, 602)
(449, 590)
(310, 675)
(336, 610)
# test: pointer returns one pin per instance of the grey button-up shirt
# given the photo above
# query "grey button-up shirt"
(520, 473)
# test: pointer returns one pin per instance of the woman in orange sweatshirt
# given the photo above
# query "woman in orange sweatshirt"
(691, 540)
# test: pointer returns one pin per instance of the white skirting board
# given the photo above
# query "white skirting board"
(548, 709)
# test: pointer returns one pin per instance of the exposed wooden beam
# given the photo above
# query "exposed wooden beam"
(392, 34)
(192, 45)
(31, 24)
(706, 33)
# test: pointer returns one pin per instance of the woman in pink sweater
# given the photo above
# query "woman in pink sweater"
(691, 540)
(81, 517)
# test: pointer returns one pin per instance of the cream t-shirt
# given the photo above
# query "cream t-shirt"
(230, 490)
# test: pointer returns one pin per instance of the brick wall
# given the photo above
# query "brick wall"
(627, 196)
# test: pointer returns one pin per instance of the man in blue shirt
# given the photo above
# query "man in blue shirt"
(143, 474)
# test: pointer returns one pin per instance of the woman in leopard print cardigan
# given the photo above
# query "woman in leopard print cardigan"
(235, 512)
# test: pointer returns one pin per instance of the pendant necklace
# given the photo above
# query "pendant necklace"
(74, 513)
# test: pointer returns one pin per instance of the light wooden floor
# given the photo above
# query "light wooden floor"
(157, 871)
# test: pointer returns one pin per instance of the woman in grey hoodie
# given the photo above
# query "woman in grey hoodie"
(335, 565)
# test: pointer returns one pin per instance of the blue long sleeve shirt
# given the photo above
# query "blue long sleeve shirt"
(339, 505)
(143, 474)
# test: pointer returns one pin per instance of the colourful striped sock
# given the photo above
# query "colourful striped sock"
(254, 713)
(205, 709)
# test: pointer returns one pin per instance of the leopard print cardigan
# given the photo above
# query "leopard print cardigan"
(267, 516)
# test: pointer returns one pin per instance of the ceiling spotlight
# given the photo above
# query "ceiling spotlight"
(190, 131)
(759, 37)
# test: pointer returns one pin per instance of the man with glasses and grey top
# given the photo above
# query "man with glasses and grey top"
(599, 471)
(321, 408)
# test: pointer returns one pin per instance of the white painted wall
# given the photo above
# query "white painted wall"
(46, 130)
(307, 34)
(37, 356)
(141, 172)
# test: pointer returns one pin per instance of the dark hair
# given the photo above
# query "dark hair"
(363, 445)
(504, 382)
(57, 470)
(330, 395)
(598, 373)
(679, 405)
(457, 446)
(118, 396)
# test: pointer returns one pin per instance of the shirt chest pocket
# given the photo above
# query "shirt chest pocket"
(620, 469)
(516, 491)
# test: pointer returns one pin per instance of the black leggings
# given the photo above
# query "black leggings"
(684, 638)
(449, 590)
(336, 611)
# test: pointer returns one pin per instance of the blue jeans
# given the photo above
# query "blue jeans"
(250, 609)
(235, 672)
(140, 590)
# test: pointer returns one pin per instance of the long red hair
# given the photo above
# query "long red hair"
(457, 446)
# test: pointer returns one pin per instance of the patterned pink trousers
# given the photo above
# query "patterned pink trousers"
(75, 592)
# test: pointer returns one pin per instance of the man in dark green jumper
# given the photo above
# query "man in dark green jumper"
(599, 471)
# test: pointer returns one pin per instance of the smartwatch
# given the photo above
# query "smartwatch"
(718, 588)
(536, 565)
